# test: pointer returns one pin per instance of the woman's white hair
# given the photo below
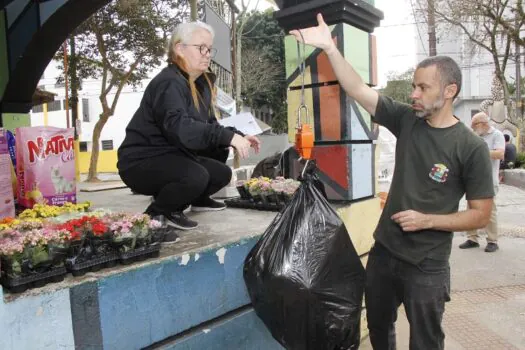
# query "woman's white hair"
(183, 33)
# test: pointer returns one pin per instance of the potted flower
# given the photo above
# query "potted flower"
(242, 189)
(137, 236)
(91, 247)
(265, 188)
(254, 189)
(290, 187)
(32, 255)
(277, 187)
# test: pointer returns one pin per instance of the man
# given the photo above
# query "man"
(496, 143)
(510, 154)
(438, 159)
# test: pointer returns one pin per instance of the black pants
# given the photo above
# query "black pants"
(422, 289)
(177, 181)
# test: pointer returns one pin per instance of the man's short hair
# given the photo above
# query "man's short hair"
(449, 71)
(507, 137)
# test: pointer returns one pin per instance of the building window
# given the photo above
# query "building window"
(54, 106)
(64, 104)
(38, 109)
(473, 112)
(83, 146)
(85, 110)
(107, 145)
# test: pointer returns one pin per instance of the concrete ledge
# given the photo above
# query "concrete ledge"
(195, 280)
(243, 330)
(192, 297)
(514, 177)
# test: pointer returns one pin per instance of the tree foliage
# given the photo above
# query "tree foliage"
(263, 68)
(120, 45)
(399, 86)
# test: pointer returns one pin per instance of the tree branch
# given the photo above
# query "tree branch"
(123, 82)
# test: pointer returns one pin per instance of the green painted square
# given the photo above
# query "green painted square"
(291, 54)
(4, 68)
(11, 121)
(357, 50)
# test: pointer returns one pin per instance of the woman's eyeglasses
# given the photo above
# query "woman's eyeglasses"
(204, 50)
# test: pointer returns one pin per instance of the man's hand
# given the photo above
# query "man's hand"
(255, 143)
(319, 36)
(411, 220)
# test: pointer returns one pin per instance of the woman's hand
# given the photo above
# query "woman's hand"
(255, 143)
(242, 145)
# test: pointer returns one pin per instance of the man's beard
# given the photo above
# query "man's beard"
(428, 111)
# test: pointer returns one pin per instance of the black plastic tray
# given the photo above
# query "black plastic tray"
(250, 204)
(139, 254)
(92, 265)
(21, 284)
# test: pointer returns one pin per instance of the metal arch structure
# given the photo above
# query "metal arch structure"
(31, 32)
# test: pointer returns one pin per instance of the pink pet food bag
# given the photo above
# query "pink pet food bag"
(45, 166)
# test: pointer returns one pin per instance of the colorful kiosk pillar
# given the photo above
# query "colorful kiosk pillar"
(344, 135)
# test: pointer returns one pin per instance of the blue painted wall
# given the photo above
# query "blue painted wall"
(171, 296)
(36, 322)
(141, 306)
(243, 331)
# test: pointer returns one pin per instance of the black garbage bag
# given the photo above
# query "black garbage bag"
(304, 276)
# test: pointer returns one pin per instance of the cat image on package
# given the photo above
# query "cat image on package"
(45, 165)
(59, 182)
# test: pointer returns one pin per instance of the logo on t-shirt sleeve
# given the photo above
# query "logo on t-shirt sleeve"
(439, 173)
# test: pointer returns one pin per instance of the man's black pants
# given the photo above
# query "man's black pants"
(422, 289)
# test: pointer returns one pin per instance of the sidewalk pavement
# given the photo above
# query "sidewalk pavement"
(487, 310)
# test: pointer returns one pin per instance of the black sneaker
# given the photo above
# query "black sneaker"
(208, 205)
(491, 247)
(180, 221)
(469, 244)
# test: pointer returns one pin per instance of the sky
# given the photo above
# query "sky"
(396, 46)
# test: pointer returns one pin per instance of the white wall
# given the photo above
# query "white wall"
(115, 127)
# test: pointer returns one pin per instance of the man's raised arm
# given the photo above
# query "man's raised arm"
(354, 86)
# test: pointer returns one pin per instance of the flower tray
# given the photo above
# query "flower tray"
(139, 254)
(92, 265)
(250, 204)
(36, 280)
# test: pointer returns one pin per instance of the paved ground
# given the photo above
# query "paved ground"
(487, 310)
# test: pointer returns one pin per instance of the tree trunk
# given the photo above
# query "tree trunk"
(74, 85)
(93, 174)
(432, 51)
(193, 6)
(238, 69)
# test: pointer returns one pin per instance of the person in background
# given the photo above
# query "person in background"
(496, 143)
(174, 149)
(510, 154)
(438, 160)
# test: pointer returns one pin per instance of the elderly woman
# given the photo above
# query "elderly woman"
(174, 149)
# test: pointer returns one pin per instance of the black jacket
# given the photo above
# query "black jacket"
(167, 121)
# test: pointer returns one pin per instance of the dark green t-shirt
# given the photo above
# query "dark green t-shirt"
(434, 168)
